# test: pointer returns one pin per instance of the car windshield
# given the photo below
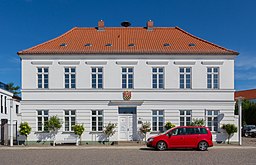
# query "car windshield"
(167, 131)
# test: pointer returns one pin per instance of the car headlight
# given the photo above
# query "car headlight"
(150, 139)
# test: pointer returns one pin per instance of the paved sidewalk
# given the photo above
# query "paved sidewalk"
(107, 147)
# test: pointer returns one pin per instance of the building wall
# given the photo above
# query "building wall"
(83, 99)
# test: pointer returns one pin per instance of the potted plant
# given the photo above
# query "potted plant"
(79, 130)
(25, 130)
(168, 125)
(145, 127)
(197, 122)
(230, 129)
(109, 130)
(53, 125)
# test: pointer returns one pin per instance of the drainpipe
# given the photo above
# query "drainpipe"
(240, 119)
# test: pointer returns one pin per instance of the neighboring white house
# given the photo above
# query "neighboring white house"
(170, 75)
(8, 102)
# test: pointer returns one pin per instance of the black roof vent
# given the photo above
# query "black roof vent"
(126, 24)
(88, 44)
(191, 44)
(108, 44)
(167, 44)
(131, 45)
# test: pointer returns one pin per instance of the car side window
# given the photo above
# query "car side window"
(190, 131)
(174, 132)
(203, 131)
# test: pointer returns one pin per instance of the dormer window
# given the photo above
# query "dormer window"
(167, 44)
(131, 45)
(191, 44)
(63, 45)
(108, 45)
(88, 45)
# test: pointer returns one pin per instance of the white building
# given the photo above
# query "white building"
(9, 105)
(81, 75)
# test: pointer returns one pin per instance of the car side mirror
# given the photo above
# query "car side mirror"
(169, 134)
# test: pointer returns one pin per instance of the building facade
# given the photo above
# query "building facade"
(9, 105)
(127, 76)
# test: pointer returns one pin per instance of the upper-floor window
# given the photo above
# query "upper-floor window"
(70, 119)
(185, 78)
(42, 118)
(97, 120)
(127, 77)
(17, 109)
(70, 77)
(158, 77)
(97, 77)
(2, 106)
(42, 77)
(158, 120)
(212, 119)
(185, 117)
(213, 78)
(5, 105)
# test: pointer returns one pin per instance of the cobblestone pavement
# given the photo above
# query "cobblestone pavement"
(248, 141)
(127, 157)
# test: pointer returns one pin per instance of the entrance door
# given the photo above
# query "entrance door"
(4, 132)
(126, 127)
(127, 123)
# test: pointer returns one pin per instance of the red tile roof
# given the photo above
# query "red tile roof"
(145, 42)
(247, 94)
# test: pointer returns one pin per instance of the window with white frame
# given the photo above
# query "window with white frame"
(158, 77)
(213, 78)
(185, 117)
(212, 119)
(42, 77)
(2, 107)
(70, 119)
(185, 78)
(42, 118)
(97, 120)
(97, 77)
(70, 77)
(158, 120)
(5, 105)
(127, 77)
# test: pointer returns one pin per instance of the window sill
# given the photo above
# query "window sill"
(39, 132)
(67, 132)
(95, 132)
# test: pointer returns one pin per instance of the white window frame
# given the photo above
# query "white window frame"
(97, 120)
(43, 74)
(127, 73)
(185, 73)
(185, 116)
(43, 115)
(69, 73)
(157, 120)
(97, 73)
(70, 129)
(212, 116)
(212, 74)
(157, 73)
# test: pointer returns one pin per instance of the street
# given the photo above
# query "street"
(126, 156)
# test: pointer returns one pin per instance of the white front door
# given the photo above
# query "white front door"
(126, 127)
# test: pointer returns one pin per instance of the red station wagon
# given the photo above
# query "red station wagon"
(198, 137)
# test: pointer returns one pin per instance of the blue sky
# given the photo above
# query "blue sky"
(229, 23)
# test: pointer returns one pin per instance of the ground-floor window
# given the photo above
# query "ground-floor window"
(212, 119)
(70, 119)
(185, 117)
(42, 118)
(158, 120)
(97, 120)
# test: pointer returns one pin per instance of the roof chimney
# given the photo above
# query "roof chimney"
(150, 25)
(101, 25)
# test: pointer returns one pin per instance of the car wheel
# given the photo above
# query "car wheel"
(246, 134)
(161, 146)
(202, 146)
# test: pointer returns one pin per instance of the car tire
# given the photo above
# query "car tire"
(246, 134)
(161, 146)
(202, 146)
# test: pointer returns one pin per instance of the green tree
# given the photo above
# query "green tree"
(197, 122)
(79, 130)
(109, 130)
(25, 130)
(13, 89)
(53, 125)
(168, 125)
(230, 129)
(248, 112)
(145, 127)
